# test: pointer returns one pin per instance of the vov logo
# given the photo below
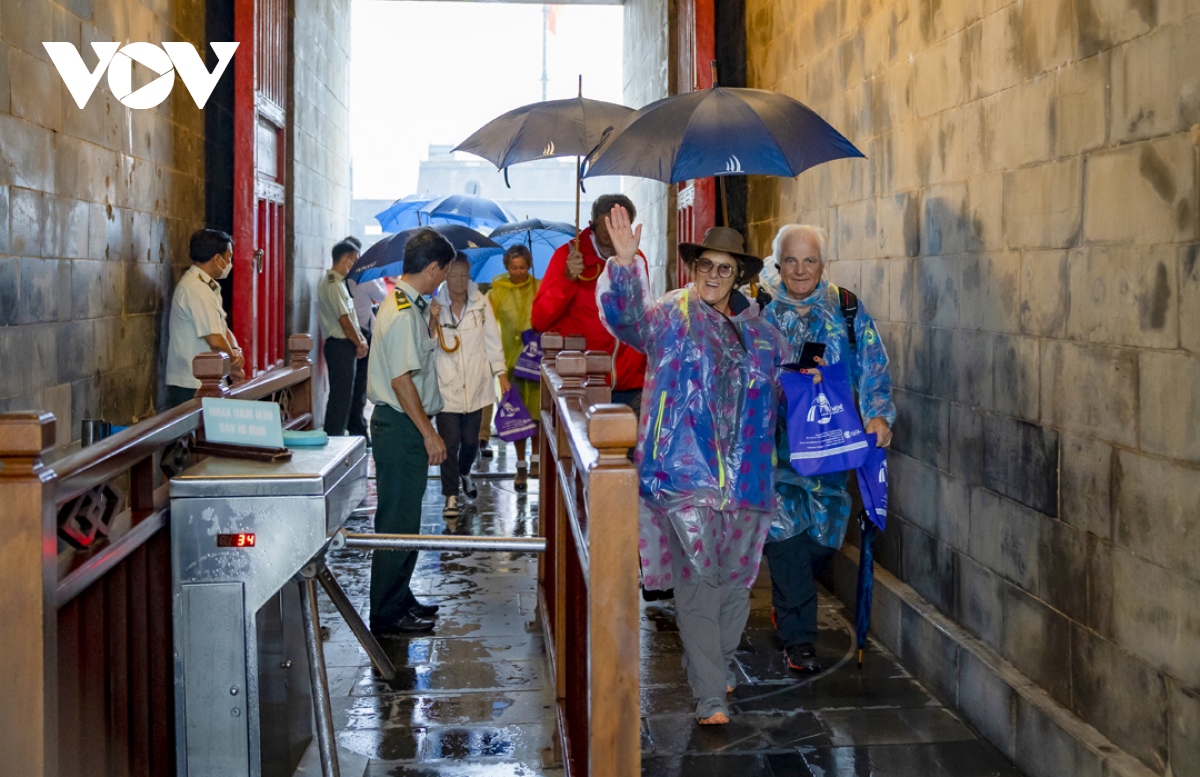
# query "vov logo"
(117, 60)
(821, 407)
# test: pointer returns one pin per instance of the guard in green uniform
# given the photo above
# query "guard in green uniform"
(402, 383)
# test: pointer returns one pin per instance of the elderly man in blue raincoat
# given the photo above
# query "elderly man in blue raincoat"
(812, 512)
(705, 442)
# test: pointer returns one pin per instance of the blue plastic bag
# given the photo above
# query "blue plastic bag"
(872, 483)
(529, 361)
(825, 434)
(513, 421)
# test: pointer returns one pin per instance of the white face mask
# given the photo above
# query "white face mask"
(225, 272)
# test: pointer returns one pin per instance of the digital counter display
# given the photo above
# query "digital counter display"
(240, 540)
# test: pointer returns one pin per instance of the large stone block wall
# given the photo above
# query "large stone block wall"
(1025, 231)
(319, 192)
(96, 206)
(647, 58)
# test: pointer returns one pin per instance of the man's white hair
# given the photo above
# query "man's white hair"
(820, 236)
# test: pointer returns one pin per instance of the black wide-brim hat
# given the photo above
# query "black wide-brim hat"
(727, 240)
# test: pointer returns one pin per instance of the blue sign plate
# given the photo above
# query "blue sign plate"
(242, 422)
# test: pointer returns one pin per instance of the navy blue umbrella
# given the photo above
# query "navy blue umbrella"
(866, 583)
(386, 258)
(873, 488)
(541, 237)
(402, 214)
(466, 209)
(720, 131)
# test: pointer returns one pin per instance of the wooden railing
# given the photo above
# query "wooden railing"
(86, 656)
(588, 577)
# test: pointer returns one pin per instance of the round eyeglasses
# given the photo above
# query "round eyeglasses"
(706, 266)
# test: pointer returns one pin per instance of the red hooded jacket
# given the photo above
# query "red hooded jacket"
(569, 308)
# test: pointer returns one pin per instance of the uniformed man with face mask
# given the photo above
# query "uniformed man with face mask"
(197, 323)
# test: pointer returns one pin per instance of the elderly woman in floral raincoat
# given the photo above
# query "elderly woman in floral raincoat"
(705, 442)
(813, 512)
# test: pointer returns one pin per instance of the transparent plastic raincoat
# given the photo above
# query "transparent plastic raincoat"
(512, 304)
(706, 437)
(821, 505)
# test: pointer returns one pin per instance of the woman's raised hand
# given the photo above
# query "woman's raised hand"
(625, 239)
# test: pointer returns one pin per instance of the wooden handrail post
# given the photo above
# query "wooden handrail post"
(299, 346)
(28, 609)
(211, 369)
(572, 368)
(599, 366)
(614, 650)
(552, 343)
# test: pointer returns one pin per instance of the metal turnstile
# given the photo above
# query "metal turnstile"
(249, 665)
(249, 668)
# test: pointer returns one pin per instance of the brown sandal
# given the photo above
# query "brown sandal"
(716, 719)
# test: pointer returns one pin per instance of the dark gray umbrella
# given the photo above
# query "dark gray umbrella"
(554, 128)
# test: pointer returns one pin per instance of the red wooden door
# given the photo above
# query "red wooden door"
(696, 200)
(261, 84)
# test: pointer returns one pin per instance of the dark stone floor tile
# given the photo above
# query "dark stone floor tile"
(840, 690)
(408, 711)
(461, 769)
(667, 700)
(947, 759)
(452, 744)
(917, 725)
(662, 670)
(763, 765)
(679, 734)
(461, 676)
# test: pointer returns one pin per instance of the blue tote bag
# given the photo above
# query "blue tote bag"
(825, 434)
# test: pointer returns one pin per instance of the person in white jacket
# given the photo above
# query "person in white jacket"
(469, 359)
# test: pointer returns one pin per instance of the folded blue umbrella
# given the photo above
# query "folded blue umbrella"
(385, 259)
(541, 237)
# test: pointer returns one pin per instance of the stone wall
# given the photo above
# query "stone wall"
(319, 163)
(1025, 229)
(648, 77)
(96, 206)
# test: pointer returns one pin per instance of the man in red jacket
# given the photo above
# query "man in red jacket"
(566, 300)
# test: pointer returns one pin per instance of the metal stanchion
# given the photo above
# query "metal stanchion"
(382, 663)
(322, 708)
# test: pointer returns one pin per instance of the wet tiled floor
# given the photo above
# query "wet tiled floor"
(475, 697)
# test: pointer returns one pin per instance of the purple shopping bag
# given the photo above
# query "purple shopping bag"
(529, 362)
(825, 434)
(872, 483)
(512, 419)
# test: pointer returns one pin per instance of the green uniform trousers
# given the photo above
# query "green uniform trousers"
(401, 473)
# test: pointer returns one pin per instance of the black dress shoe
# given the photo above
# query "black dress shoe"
(425, 611)
(409, 624)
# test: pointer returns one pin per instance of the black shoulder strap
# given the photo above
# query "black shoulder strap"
(849, 312)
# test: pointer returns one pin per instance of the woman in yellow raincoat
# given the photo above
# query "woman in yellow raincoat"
(512, 300)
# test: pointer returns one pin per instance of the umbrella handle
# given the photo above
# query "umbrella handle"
(442, 339)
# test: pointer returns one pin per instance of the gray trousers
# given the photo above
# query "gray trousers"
(711, 617)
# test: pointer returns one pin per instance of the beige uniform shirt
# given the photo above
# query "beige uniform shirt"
(333, 302)
(402, 345)
(196, 313)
